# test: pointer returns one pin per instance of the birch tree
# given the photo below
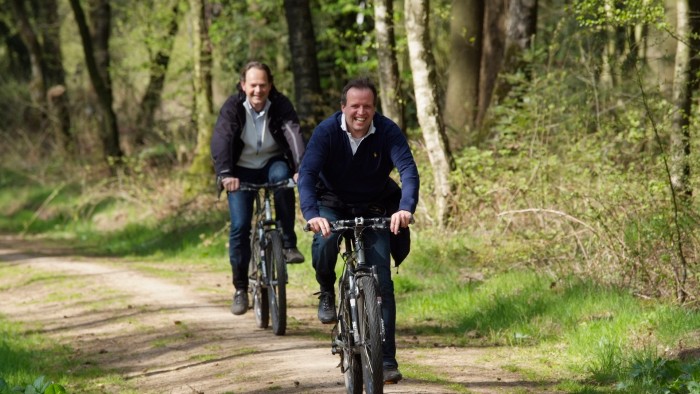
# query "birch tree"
(428, 102)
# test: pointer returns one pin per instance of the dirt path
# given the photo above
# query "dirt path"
(171, 337)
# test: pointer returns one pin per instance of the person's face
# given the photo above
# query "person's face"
(358, 110)
(256, 87)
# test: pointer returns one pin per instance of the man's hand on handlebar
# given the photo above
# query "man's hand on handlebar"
(230, 184)
(320, 224)
(400, 219)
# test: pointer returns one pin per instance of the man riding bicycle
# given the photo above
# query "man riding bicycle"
(345, 173)
(256, 139)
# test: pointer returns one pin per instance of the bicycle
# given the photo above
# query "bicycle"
(267, 272)
(359, 333)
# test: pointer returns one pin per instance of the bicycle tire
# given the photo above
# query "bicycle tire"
(277, 282)
(260, 297)
(370, 320)
(351, 362)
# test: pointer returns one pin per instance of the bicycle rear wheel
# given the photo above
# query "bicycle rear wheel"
(351, 361)
(370, 321)
(277, 282)
(260, 302)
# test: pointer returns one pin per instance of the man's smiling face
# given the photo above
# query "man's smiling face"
(359, 111)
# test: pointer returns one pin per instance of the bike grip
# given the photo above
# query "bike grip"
(307, 227)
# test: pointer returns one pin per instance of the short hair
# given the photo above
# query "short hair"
(259, 66)
(358, 83)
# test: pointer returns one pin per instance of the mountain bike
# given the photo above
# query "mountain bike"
(267, 272)
(358, 335)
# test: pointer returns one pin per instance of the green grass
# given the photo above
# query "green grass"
(453, 290)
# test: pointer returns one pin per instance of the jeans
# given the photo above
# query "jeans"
(324, 254)
(240, 205)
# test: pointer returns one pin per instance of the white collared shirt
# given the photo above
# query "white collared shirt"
(355, 142)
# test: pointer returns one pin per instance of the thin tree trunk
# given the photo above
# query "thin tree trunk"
(201, 168)
(38, 83)
(682, 99)
(389, 80)
(520, 30)
(493, 51)
(110, 134)
(302, 45)
(57, 95)
(152, 96)
(428, 102)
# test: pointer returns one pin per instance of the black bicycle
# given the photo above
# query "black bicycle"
(359, 333)
(267, 273)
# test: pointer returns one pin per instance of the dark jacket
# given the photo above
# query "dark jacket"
(226, 142)
(331, 175)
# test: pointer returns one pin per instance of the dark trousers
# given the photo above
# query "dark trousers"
(324, 254)
(240, 204)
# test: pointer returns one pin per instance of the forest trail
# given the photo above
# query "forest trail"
(176, 337)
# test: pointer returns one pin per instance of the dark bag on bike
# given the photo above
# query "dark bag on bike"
(386, 205)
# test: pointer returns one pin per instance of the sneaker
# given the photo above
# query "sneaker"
(392, 375)
(240, 302)
(293, 256)
(326, 308)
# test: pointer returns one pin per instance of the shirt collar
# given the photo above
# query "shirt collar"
(252, 110)
(344, 126)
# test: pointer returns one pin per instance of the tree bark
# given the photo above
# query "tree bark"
(37, 85)
(493, 51)
(462, 96)
(201, 169)
(392, 105)
(110, 133)
(302, 45)
(521, 27)
(152, 96)
(428, 102)
(682, 100)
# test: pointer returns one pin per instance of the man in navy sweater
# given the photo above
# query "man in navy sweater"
(345, 170)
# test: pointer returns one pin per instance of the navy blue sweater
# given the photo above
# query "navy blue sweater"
(359, 179)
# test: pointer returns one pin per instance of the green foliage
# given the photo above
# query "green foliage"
(659, 375)
(40, 386)
(628, 13)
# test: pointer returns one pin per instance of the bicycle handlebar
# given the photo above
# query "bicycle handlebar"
(341, 225)
(253, 187)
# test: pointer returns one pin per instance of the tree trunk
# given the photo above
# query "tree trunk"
(56, 94)
(302, 45)
(428, 102)
(159, 66)
(493, 50)
(201, 169)
(461, 100)
(521, 27)
(682, 99)
(110, 134)
(37, 85)
(389, 79)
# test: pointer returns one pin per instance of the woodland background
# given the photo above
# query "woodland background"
(562, 135)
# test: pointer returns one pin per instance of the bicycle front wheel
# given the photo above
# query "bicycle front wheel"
(351, 361)
(260, 302)
(370, 324)
(277, 282)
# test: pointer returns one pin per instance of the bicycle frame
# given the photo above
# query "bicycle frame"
(267, 270)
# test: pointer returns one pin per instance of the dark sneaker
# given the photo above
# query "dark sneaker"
(240, 302)
(392, 375)
(293, 256)
(326, 308)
